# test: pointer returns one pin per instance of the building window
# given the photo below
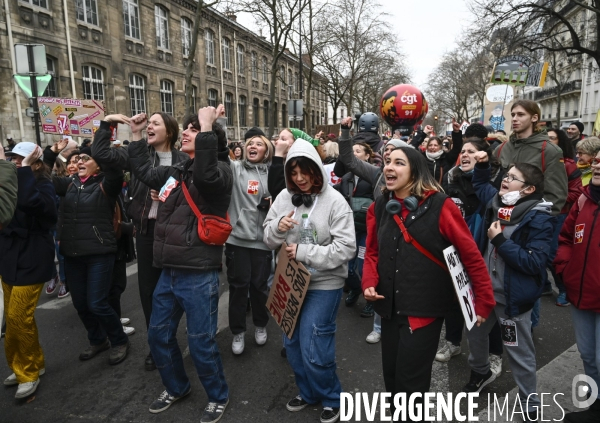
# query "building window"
(161, 18)
(242, 110)
(266, 112)
(209, 40)
(226, 53)
(254, 66)
(87, 11)
(51, 88)
(166, 97)
(40, 3)
(282, 77)
(312, 119)
(93, 83)
(284, 115)
(186, 36)
(255, 107)
(131, 16)
(265, 70)
(296, 82)
(229, 108)
(212, 98)
(137, 94)
(240, 59)
(290, 82)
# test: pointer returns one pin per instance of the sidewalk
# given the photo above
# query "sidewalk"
(554, 378)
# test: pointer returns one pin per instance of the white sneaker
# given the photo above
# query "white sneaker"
(26, 389)
(448, 351)
(237, 346)
(260, 336)
(496, 364)
(125, 320)
(373, 337)
(128, 330)
(12, 379)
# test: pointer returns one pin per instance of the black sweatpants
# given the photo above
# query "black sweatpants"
(455, 323)
(248, 270)
(408, 357)
(117, 285)
(147, 274)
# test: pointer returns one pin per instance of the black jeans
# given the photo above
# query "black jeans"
(118, 285)
(407, 357)
(455, 322)
(148, 275)
(89, 279)
(248, 270)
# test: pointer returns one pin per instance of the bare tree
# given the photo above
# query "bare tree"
(189, 68)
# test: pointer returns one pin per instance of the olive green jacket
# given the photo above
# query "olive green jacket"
(8, 192)
(529, 150)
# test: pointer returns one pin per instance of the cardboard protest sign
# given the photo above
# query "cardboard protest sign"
(511, 70)
(462, 285)
(69, 116)
(287, 292)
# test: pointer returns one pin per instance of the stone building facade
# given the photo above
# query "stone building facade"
(132, 55)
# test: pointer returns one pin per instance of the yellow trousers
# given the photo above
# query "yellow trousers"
(24, 354)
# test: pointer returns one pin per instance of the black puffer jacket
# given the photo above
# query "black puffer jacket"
(88, 208)
(138, 201)
(209, 180)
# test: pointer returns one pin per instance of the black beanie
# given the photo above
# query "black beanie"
(579, 126)
(253, 132)
(86, 150)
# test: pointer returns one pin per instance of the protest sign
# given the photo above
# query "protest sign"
(69, 116)
(287, 292)
(462, 285)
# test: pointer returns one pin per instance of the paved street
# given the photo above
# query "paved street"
(261, 382)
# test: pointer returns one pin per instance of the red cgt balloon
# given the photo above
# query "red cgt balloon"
(403, 106)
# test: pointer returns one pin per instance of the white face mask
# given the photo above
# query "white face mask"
(511, 198)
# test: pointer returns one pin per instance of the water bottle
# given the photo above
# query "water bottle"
(308, 235)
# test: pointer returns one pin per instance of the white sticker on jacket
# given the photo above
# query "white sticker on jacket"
(169, 186)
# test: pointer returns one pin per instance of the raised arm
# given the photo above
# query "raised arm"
(362, 169)
(101, 150)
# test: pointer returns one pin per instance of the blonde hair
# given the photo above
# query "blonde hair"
(331, 149)
(590, 145)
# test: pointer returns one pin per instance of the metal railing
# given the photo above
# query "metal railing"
(569, 87)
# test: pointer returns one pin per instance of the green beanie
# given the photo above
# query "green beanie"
(303, 135)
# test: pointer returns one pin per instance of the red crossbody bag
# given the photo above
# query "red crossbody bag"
(212, 230)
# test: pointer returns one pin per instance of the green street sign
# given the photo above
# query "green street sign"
(24, 82)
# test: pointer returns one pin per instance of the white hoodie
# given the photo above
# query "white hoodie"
(333, 221)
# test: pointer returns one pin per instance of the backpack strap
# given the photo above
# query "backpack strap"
(500, 150)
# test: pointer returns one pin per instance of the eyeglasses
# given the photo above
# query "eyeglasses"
(509, 178)
(84, 158)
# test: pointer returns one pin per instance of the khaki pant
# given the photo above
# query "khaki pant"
(24, 354)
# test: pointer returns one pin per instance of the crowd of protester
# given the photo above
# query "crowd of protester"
(515, 209)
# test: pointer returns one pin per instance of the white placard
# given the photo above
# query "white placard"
(462, 285)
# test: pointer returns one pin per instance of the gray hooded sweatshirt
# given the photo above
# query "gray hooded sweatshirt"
(333, 221)
(249, 188)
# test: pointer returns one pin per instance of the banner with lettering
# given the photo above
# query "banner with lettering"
(70, 116)
(287, 292)
(462, 285)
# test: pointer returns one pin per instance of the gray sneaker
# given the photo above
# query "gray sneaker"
(93, 350)
(118, 353)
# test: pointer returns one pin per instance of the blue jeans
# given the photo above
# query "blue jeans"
(535, 314)
(355, 266)
(377, 323)
(311, 351)
(195, 293)
(587, 334)
(89, 282)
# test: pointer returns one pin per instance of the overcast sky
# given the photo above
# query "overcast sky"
(426, 29)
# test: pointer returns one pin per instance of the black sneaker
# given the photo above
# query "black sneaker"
(478, 381)
(352, 297)
(296, 404)
(368, 310)
(149, 363)
(93, 350)
(330, 415)
(164, 401)
(213, 412)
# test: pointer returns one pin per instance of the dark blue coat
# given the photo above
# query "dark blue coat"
(27, 244)
(526, 252)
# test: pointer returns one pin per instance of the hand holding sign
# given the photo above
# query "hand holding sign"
(291, 251)
(494, 230)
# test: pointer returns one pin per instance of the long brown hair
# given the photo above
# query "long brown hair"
(308, 167)
(171, 126)
(421, 180)
(532, 108)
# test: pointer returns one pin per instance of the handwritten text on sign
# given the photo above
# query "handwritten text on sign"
(462, 285)
(287, 292)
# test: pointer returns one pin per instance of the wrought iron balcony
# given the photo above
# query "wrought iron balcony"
(569, 87)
